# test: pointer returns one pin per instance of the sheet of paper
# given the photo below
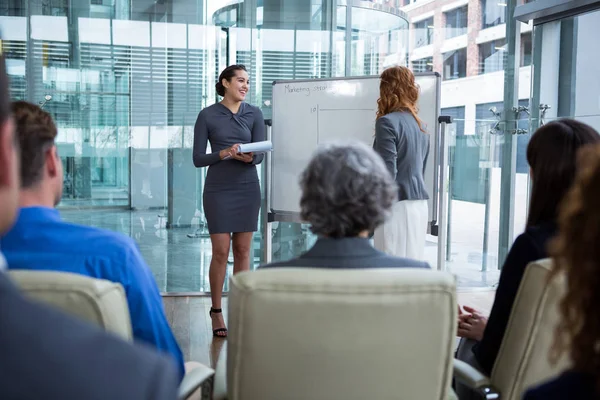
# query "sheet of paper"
(256, 147)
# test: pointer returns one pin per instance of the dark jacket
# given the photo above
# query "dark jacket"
(405, 149)
(353, 252)
(48, 355)
(528, 247)
(569, 385)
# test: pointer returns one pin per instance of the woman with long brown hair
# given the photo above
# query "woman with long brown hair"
(403, 143)
(576, 253)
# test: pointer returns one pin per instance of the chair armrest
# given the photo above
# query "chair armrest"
(471, 377)
(452, 395)
(194, 379)
(220, 383)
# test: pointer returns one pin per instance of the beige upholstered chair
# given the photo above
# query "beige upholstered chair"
(306, 333)
(97, 301)
(523, 358)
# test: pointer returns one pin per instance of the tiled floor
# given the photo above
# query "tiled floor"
(180, 262)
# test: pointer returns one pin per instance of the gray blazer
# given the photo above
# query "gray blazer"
(405, 149)
(48, 355)
(348, 253)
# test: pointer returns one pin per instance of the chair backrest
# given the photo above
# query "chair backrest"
(306, 333)
(98, 301)
(523, 357)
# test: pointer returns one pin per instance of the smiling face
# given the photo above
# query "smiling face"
(237, 87)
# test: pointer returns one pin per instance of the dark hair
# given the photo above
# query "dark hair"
(227, 74)
(36, 132)
(577, 255)
(552, 156)
(346, 189)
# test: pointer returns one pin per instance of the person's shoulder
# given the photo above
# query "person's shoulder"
(97, 240)
(279, 264)
(541, 232)
(209, 110)
(401, 262)
(569, 384)
(108, 365)
(386, 123)
(252, 109)
(535, 237)
(387, 118)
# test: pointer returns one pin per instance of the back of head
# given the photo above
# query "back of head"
(36, 132)
(398, 91)
(577, 253)
(9, 160)
(551, 154)
(346, 190)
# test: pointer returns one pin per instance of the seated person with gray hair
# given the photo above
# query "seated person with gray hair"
(347, 192)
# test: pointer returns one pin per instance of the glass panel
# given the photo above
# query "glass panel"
(423, 32)
(456, 22)
(492, 56)
(379, 40)
(423, 65)
(493, 13)
(455, 64)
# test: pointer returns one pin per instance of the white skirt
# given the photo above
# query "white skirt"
(404, 233)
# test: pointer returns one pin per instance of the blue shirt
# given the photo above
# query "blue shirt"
(40, 240)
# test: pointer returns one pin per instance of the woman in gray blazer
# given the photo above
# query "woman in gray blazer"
(403, 143)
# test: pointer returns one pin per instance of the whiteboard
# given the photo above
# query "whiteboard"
(309, 113)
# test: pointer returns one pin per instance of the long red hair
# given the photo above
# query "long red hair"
(398, 92)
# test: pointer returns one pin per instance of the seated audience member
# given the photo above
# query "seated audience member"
(551, 155)
(576, 253)
(347, 192)
(40, 240)
(46, 354)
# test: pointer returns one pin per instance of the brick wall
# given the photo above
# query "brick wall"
(474, 24)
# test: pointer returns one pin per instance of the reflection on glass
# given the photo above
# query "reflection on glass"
(492, 56)
(456, 22)
(423, 32)
(493, 13)
(455, 64)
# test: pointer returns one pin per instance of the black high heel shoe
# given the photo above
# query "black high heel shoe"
(219, 330)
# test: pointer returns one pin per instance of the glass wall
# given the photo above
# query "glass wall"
(125, 80)
(568, 84)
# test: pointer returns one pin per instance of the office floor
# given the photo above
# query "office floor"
(191, 324)
(180, 263)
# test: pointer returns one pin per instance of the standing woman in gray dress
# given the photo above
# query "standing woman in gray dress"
(403, 143)
(231, 191)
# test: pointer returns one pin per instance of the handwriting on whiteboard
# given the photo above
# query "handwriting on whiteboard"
(306, 90)
(336, 88)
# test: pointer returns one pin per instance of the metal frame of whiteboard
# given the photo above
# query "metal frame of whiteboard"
(287, 216)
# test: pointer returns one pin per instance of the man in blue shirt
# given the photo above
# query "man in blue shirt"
(40, 240)
(47, 354)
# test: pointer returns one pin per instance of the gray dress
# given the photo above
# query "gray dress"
(231, 191)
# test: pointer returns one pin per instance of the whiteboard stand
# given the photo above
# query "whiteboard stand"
(439, 228)
(266, 220)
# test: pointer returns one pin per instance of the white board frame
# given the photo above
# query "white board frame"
(292, 216)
